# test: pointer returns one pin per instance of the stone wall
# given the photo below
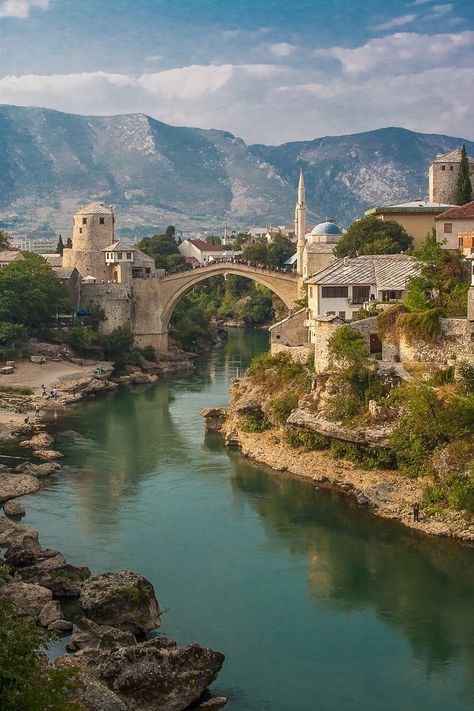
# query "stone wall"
(298, 353)
(115, 299)
(456, 342)
(290, 331)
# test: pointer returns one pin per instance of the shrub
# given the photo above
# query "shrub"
(466, 376)
(424, 326)
(308, 441)
(348, 346)
(362, 314)
(441, 376)
(254, 423)
(149, 353)
(283, 406)
(387, 323)
(460, 493)
(363, 455)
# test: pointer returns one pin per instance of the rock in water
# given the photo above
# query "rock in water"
(13, 508)
(13, 535)
(152, 677)
(27, 599)
(125, 600)
(43, 440)
(50, 613)
(13, 485)
(89, 634)
(38, 470)
(48, 454)
(63, 579)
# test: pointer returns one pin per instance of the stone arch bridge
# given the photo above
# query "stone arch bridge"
(154, 299)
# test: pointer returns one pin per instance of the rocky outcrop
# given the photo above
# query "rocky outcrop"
(48, 454)
(13, 508)
(14, 485)
(40, 471)
(214, 418)
(92, 695)
(316, 422)
(137, 377)
(13, 535)
(50, 613)
(28, 599)
(89, 634)
(30, 553)
(154, 675)
(42, 440)
(63, 579)
(125, 600)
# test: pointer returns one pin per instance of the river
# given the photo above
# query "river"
(317, 605)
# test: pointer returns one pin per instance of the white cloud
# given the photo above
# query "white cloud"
(396, 22)
(245, 34)
(403, 51)
(440, 10)
(154, 57)
(421, 2)
(21, 8)
(282, 49)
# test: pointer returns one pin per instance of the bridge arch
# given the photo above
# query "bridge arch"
(156, 299)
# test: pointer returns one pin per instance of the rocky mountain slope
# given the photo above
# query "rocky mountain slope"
(156, 174)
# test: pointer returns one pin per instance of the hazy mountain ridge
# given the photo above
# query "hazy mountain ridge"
(155, 174)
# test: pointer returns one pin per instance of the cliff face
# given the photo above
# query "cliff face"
(156, 174)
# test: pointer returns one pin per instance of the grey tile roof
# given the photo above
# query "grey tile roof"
(385, 271)
(142, 260)
(95, 208)
(54, 260)
(64, 272)
(10, 255)
(119, 247)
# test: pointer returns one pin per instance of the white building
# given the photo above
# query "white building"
(203, 252)
(343, 287)
(452, 226)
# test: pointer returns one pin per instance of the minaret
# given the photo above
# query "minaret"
(300, 224)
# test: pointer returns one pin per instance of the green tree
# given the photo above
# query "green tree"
(27, 681)
(30, 292)
(159, 247)
(69, 243)
(257, 252)
(348, 346)
(176, 263)
(4, 239)
(170, 232)
(279, 251)
(12, 333)
(373, 236)
(239, 239)
(463, 191)
(60, 245)
(214, 240)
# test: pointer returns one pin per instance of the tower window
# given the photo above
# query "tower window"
(448, 228)
(101, 220)
(80, 230)
(451, 167)
(84, 220)
(443, 167)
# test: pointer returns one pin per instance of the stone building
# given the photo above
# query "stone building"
(93, 231)
(8, 256)
(443, 175)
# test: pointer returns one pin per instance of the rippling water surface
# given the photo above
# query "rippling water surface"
(316, 604)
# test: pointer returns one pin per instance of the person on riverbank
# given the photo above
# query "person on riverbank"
(416, 512)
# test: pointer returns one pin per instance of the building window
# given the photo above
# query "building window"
(119, 255)
(334, 292)
(391, 295)
(443, 167)
(451, 167)
(101, 220)
(147, 270)
(460, 242)
(84, 220)
(129, 255)
(448, 228)
(80, 230)
(310, 292)
(342, 314)
(360, 294)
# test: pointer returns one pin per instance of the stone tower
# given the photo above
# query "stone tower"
(93, 230)
(443, 174)
(300, 224)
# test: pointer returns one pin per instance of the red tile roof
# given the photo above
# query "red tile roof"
(203, 246)
(459, 212)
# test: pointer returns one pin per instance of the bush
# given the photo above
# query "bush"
(118, 343)
(149, 353)
(460, 493)
(254, 423)
(363, 455)
(307, 441)
(424, 326)
(283, 406)
(387, 323)
(348, 346)
(442, 376)
(466, 376)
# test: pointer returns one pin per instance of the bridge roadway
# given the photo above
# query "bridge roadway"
(156, 299)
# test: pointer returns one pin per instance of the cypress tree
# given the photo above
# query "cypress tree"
(463, 191)
(60, 245)
(69, 243)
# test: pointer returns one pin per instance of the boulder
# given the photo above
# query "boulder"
(13, 508)
(125, 600)
(31, 553)
(211, 703)
(28, 599)
(214, 418)
(89, 634)
(38, 470)
(13, 535)
(153, 677)
(43, 440)
(63, 579)
(48, 454)
(50, 613)
(13, 485)
(89, 693)
(61, 626)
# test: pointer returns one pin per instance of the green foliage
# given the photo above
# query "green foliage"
(27, 681)
(283, 405)
(463, 192)
(424, 326)
(149, 353)
(387, 323)
(4, 239)
(280, 373)
(257, 310)
(460, 493)
(466, 377)
(132, 593)
(12, 333)
(442, 376)
(305, 440)
(164, 250)
(254, 423)
(176, 263)
(118, 343)
(362, 455)
(170, 232)
(373, 236)
(279, 250)
(257, 252)
(85, 340)
(97, 315)
(60, 245)
(362, 314)
(348, 346)
(30, 292)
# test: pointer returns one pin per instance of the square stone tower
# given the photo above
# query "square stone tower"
(443, 174)
(93, 230)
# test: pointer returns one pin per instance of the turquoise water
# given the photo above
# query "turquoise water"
(316, 604)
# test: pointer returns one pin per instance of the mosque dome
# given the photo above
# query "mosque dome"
(326, 229)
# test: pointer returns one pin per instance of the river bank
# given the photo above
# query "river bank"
(384, 492)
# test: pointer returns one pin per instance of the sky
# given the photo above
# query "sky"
(269, 71)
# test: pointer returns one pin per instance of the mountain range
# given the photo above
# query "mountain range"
(156, 174)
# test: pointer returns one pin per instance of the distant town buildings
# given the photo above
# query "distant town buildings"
(416, 217)
(197, 251)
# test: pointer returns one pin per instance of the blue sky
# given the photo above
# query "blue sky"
(268, 70)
